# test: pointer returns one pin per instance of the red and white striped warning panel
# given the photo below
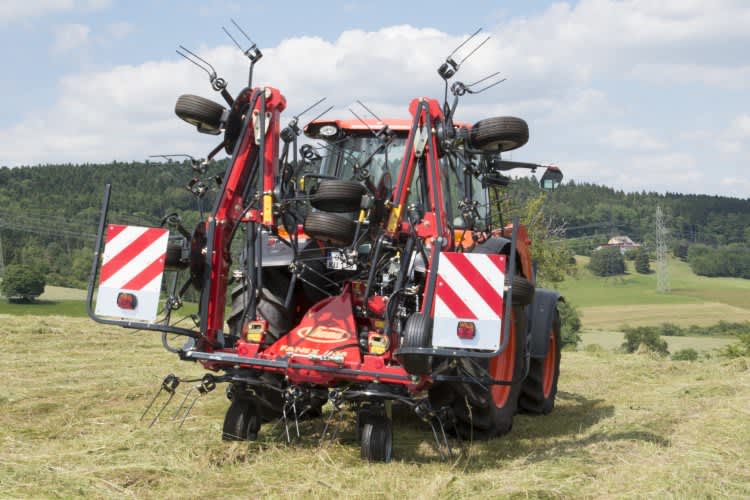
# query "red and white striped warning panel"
(131, 272)
(469, 301)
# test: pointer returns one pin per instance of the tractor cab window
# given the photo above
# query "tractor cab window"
(345, 156)
(457, 194)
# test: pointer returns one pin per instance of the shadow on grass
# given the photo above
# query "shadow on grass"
(413, 440)
(534, 438)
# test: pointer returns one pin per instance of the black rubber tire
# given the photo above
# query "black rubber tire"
(502, 133)
(270, 305)
(376, 440)
(198, 243)
(201, 112)
(532, 399)
(335, 195)
(523, 291)
(485, 421)
(333, 229)
(242, 421)
(416, 334)
(173, 257)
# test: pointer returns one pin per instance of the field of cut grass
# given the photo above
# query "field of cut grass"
(62, 293)
(625, 425)
(609, 303)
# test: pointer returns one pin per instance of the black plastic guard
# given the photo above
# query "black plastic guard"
(541, 314)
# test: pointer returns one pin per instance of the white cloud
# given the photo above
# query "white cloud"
(633, 140)
(556, 62)
(69, 37)
(730, 77)
(14, 10)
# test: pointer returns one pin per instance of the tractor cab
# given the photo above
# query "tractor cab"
(371, 151)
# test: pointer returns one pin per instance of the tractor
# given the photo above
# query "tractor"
(366, 267)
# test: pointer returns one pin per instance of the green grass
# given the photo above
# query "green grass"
(609, 303)
(624, 426)
(41, 307)
(613, 340)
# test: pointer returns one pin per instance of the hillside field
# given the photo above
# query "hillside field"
(625, 425)
(609, 303)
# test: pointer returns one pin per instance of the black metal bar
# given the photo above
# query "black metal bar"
(234, 359)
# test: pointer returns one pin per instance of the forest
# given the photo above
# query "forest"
(49, 213)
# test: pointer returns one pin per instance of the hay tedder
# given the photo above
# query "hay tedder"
(368, 267)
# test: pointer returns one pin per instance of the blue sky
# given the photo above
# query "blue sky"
(634, 94)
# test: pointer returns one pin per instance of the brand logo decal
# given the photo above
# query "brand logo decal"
(323, 334)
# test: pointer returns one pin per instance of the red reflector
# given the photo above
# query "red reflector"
(466, 330)
(126, 301)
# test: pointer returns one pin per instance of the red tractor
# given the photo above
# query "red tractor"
(368, 270)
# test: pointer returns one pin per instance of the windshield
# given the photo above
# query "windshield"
(346, 154)
(353, 151)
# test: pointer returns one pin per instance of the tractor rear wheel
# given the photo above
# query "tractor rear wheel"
(201, 112)
(242, 421)
(334, 195)
(490, 412)
(502, 133)
(270, 305)
(540, 387)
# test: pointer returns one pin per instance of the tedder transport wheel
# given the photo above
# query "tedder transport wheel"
(502, 133)
(201, 112)
(242, 421)
(493, 414)
(334, 229)
(376, 438)
(540, 387)
(338, 196)
(416, 334)
(523, 291)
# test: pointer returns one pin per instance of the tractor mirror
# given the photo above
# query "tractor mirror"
(551, 179)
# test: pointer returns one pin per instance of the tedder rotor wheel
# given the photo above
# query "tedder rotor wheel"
(502, 133)
(338, 196)
(376, 438)
(242, 421)
(201, 112)
(416, 334)
(334, 229)
(173, 257)
(540, 387)
(523, 291)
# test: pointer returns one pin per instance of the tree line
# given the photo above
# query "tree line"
(49, 213)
